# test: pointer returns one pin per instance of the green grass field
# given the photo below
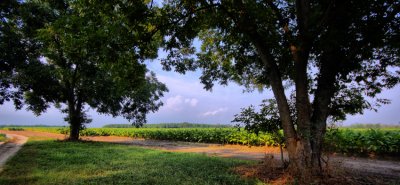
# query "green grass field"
(57, 162)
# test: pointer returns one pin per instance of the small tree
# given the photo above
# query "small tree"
(91, 54)
(266, 120)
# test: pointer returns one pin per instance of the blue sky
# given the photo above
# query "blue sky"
(187, 101)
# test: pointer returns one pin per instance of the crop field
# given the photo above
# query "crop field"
(350, 141)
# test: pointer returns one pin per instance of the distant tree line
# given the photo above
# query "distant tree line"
(373, 125)
(170, 125)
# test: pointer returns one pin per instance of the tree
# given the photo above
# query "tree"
(91, 55)
(266, 120)
(332, 53)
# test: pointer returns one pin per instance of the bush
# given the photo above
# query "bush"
(15, 129)
(3, 138)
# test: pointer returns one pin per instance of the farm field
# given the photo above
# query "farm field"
(385, 141)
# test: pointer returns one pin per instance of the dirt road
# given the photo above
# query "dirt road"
(11, 147)
(360, 165)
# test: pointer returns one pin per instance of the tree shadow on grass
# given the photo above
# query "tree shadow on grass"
(60, 162)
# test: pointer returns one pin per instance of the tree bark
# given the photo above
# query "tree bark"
(298, 142)
(74, 126)
(74, 113)
(298, 148)
(323, 95)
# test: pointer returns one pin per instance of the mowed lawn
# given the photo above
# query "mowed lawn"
(59, 162)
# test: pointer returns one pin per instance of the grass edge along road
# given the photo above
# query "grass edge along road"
(58, 162)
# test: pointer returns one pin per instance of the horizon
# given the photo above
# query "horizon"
(65, 125)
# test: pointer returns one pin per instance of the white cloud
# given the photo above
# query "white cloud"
(215, 112)
(192, 102)
(177, 102)
(174, 102)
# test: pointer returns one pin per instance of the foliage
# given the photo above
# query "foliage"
(203, 135)
(266, 120)
(374, 126)
(363, 141)
(16, 51)
(169, 125)
(229, 51)
(15, 129)
(334, 54)
(105, 163)
(3, 137)
(89, 54)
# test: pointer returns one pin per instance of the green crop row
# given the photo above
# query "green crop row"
(363, 141)
(360, 141)
(170, 125)
(204, 135)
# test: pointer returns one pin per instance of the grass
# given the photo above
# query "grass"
(3, 137)
(60, 162)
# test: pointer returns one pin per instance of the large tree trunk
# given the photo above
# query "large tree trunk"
(298, 145)
(75, 125)
(298, 141)
(300, 157)
(74, 115)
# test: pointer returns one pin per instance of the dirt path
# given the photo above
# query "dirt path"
(358, 165)
(11, 147)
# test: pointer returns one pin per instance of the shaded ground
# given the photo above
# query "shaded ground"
(355, 166)
(58, 162)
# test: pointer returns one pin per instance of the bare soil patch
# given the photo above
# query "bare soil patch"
(47, 135)
(271, 172)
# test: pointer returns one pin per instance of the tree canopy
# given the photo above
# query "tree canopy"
(333, 54)
(89, 54)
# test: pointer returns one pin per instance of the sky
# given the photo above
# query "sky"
(187, 101)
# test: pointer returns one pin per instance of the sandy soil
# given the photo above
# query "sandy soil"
(358, 165)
